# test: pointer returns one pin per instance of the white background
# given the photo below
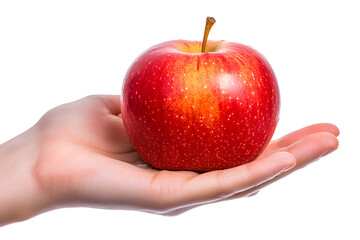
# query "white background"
(52, 52)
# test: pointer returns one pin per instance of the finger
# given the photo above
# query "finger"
(113, 130)
(111, 102)
(306, 131)
(104, 115)
(229, 184)
(313, 147)
(295, 136)
(306, 151)
(212, 186)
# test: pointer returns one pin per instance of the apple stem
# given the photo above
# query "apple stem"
(209, 23)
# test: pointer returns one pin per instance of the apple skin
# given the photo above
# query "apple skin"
(186, 110)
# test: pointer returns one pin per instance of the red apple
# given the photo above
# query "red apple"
(188, 110)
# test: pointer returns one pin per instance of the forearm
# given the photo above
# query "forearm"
(20, 196)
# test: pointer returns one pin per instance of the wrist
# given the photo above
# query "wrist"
(20, 196)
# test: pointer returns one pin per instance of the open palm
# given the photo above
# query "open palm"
(86, 159)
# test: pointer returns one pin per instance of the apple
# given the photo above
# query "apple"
(200, 106)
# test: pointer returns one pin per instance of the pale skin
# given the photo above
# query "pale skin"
(78, 154)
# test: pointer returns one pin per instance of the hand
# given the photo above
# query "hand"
(79, 154)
